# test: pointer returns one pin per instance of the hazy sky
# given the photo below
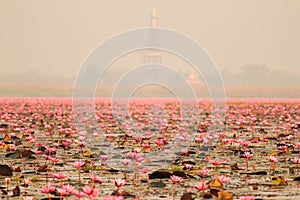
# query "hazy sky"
(55, 36)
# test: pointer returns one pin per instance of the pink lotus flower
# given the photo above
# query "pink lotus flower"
(188, 166)
(137, 150)
(91, 191)
(146, 146)
(26, 182)
(283, 148)
(289, 137)
(78, 164)
(125, 161)
(139, 157)
(131, 155)
(119, 182)
(11, 147)
(79, 194)
(255, 140)
(55, 160)
(247, 155)
(246, 198)
(176, 179)
(67, 143)
(145, 170)
(59, 175)
(223, 179)
(95, 179)
(199, 139)
(50, 150)
(37, 151)
(159, 142)
(185, 151)
(222, 135)
(61, 191)
(203, 172)
(226, 141)
(81, 144)
(7, 180)
(216, 162)
(296, 160)
(104, 158)
(56, 144)
(272, 158)
(244, 143)
(47, 189)
(200, 186)
(69, 188)
(47, 134)
(47, 157)
(48, 126)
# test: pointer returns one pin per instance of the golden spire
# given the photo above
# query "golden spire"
(154, 21)
(192, 75)
(153, 12)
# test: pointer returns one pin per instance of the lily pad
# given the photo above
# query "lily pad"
(158, 184)
(5, 170)
(159, 175)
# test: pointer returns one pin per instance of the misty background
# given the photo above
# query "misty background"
(255, 44)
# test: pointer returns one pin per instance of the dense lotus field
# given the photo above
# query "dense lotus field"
(151, 152)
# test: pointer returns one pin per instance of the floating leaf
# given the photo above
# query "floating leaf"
(43, 168)
(179, 173)
(113, 170)
(16, 191)
(26, 153)
(297, 179)
(220, 194)
(272, 154)
(88, 153)
(5, 170)
(4, 192)
(279, 181)
(14, 155)
(4, 125)
(177, 168)
(255, 173)
(216, 183)
(160, 174)
(214, 192)
(188, 196)
(189, 162)
(4, 146)
(17, 169)
(126, 194)
(158, 184)
(6, 138)
(224, 195)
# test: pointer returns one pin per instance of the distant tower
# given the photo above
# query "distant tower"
(153, 55)
(154, 21)
(193, 79)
